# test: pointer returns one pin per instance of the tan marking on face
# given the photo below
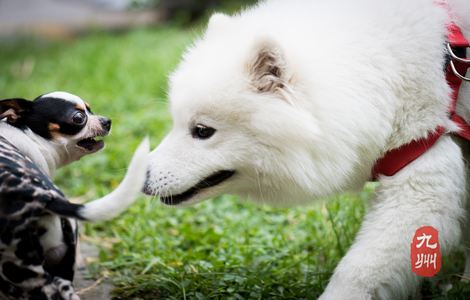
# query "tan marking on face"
(55, 134)
(87, 105)
(80, 106)
(54, 127)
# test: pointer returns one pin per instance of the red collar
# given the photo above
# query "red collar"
(398, 158)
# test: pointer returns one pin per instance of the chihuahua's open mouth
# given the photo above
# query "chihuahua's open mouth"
(92, 144)
(208, 182)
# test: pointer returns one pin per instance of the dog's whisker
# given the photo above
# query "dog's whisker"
(259, 185)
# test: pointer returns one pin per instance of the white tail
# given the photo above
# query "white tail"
(125, 194)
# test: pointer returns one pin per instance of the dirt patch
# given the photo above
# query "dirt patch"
(90, 289)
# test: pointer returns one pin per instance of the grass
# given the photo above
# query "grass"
(224, 248)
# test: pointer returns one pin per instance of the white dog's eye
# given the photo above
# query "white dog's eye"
(79, 118)
(202, 132)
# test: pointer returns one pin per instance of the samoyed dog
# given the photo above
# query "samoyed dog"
(292, 101)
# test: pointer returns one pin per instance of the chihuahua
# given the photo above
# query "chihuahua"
(38, 230)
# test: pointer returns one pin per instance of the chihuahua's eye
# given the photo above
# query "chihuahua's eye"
(79, 118)
(202, 132)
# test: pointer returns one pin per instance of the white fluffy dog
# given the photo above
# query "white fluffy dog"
(292, 101)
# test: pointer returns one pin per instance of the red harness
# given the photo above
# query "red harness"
(398, 158)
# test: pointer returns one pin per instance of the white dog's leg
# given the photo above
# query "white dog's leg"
(465, 146)
(430, 191)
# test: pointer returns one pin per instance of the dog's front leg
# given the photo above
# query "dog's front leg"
(430, 191)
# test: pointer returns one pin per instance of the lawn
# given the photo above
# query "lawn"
(224, 248)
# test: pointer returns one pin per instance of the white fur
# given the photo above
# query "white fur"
(49, 155)
(343, 82)
(430, 192)
(65, 96)
(125, 194)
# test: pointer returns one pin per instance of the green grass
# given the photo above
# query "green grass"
(224, 248)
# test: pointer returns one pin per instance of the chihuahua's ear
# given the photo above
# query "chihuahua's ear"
(14, 109)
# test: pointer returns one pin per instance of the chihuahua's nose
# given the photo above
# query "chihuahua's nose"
(106, 123)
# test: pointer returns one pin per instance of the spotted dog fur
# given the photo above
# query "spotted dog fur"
(25, 193)
(38, 229)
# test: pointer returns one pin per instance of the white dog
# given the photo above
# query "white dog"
(292, 101)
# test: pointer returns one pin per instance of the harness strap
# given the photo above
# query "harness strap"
(455, 36)
(398, 158)
(456, 41)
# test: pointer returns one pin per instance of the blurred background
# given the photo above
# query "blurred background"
(117, 54)
(58, 19)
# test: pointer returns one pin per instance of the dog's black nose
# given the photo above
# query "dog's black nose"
(106, 123)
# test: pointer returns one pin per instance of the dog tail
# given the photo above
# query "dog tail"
(115, 202)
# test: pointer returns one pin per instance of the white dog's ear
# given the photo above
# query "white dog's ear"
(268, 68)
(218, 22)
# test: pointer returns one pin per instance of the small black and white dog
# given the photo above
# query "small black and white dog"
(38, 231)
